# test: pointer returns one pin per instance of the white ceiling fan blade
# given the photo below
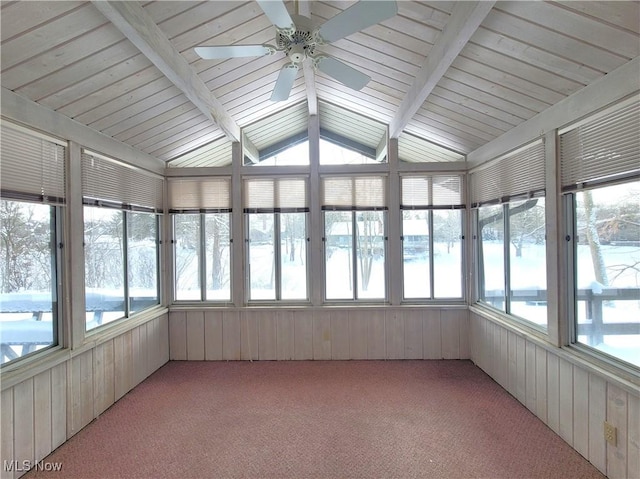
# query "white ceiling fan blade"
(357, 17)
(276, 12)
(285, 82)
(342, 72)
(232, 51)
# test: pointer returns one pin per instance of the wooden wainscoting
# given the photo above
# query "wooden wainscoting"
(42, 412)
(573, 401)
(320, 334)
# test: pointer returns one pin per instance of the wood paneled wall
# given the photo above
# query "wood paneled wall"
(328, 333)
(571, 400)
(42, 412)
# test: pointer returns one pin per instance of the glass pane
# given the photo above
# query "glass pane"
(293, 255)
(27, 278)
(370, 254)
(608, 270)
(338, 255)
(296, 155)
(262, 265)
(218, 253)
(491, 255)
(415, 254)
(447, 253)
(187, 257)
(103, 265)
(527, 261)
(142, 255)
(332, 154)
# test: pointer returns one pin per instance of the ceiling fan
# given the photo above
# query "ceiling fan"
(298, 38)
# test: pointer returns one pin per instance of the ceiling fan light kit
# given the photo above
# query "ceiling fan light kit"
(298, 38)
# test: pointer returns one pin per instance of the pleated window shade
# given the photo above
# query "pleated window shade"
(354, 193)
(200, 195)
(32, 167)
(518, 174)
(111, 183)
(269, 195)
(606, 147)
(431, 192)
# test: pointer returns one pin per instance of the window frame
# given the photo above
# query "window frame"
(432, 298)
(268, 194)
(127, 313)
(202, 259)
(354, 256)
(277, 258)
(506, 266)
(38, 178)
(57, 259)
(610, 133)
(569, 202)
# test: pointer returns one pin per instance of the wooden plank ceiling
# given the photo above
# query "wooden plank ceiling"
(454, 75)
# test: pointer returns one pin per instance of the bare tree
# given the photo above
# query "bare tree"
(218, 234)
(593, 239)
(526, 223)
(25, 242)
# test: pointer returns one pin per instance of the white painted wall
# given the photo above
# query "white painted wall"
(570, 396)
(364, 332)
(40, 412)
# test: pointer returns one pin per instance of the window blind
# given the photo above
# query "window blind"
(268, 195)
(200, 195)
(431, 191)
(605, 147)
(354, 193)
(32, 166)
(109, 182)
(520, 173)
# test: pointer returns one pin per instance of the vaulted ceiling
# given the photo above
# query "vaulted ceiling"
(449, 75)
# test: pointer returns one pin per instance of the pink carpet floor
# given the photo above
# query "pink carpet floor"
(340, 419)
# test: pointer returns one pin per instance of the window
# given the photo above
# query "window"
(332, 153)
(31, 206)
(349, 138)
(600, 174)
(508, 195)
(607, 264)
(514, 234)
(491, 255)
(355, 237)
(142, 260)
(527, 259)
(121, 238)
(431, 237)
(104, 265)
(201, 209)
(293, 154)
(276, 212)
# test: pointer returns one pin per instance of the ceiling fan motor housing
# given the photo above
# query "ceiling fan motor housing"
(299, 43)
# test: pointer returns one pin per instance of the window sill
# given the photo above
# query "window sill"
(26, 368)
(109, 331)
(309, 307)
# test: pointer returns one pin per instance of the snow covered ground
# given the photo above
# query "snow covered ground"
(528, 273)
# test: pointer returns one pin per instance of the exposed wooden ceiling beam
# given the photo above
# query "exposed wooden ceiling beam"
(382, 148)
(135, 24)
(249, 149)
(465, 19)
(304, 9)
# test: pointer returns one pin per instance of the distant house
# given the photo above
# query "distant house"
(415, 236)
